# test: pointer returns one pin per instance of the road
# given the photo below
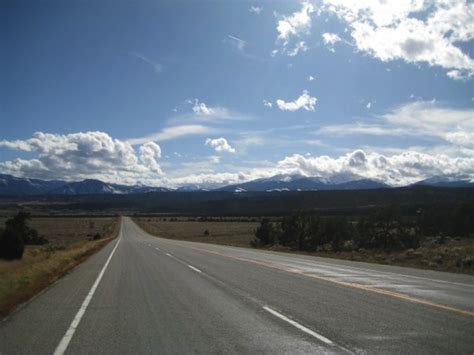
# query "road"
(143, 294)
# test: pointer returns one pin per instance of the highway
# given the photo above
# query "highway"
(144, 294)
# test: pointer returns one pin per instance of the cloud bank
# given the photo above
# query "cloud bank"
(84, 155)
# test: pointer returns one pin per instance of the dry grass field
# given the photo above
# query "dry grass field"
(229, 232)
(69, 244)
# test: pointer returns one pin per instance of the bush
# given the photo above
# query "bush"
(265, 233)
(206, 232)
(11, 244)
(96, 236)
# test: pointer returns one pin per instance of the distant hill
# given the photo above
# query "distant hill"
(285, 182)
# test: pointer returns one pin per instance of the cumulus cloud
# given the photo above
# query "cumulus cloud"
(97, 155)
(84, 155)
(305, 102)
(149, 152)
(391, 30)
(220, 145)
(311, 78)
(396, 169)
(330, 39)
(295, 25)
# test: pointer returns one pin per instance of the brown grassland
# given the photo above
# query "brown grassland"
(69, 244)
(452, 255)
(228, 232)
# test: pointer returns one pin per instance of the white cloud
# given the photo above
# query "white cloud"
(311, 78)
(267, 103)
(461, 75)
(256, 9)
(330, 39)
(220, 145)
(201, 109)
(300, 46)
(305, 102)
(399, 169)
(368, 106)
(84, 155)
(97, 155)
(430, 118)
(172, 132)
(392, 30)
(295, 25)
(149, 153)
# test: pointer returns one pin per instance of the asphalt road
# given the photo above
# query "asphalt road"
(143, 294)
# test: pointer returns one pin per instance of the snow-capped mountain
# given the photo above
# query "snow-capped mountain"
(295, 182)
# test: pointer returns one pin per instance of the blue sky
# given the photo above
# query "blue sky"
(214, 92)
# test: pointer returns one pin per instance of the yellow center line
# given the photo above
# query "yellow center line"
(380, 291)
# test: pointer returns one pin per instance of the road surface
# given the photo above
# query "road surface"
(143, 294)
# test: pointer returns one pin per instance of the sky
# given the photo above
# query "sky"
(170, 93)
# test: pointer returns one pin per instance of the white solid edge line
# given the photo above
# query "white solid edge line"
(61, 348)
(299, 326)
(194, 268)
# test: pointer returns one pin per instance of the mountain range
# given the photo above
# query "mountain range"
(16, 186)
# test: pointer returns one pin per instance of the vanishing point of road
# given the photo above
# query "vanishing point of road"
(143, 294)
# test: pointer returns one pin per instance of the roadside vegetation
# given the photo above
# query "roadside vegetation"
(436, 238)
(439, 237)
(34, 252)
